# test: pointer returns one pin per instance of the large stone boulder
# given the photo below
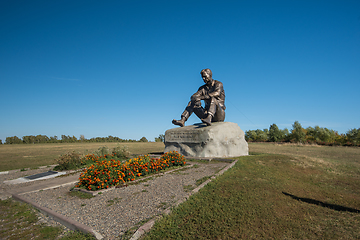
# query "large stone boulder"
(221, 139)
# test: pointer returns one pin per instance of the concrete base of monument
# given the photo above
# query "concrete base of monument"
(221, 139)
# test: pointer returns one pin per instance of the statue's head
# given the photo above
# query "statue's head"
(206, 75)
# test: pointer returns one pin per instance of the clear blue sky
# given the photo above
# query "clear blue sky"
(127, 68)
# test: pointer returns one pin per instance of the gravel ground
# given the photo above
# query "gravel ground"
(114, 212)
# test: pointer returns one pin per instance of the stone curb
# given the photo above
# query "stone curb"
(201, 158)
(48, 188)
(26, 169)
(210, 159)
(70, 223)
(148, 225)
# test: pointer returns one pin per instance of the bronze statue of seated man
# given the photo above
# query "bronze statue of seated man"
(213, 94)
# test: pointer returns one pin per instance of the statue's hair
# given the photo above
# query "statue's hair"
(207, 70)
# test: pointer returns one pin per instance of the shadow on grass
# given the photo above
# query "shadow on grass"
(323, 204)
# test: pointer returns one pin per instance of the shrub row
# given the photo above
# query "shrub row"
(64, 139)
(298, 134)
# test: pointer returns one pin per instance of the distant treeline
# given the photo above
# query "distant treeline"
(310, 135)
(64, 139)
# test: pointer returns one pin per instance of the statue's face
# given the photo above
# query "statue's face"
(207, 78)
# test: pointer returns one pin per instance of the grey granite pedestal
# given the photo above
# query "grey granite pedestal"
(221, 139)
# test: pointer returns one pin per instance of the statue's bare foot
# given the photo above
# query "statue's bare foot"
(207, 120)
(178, 122)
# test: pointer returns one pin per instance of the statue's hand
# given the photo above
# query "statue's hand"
(195, 98)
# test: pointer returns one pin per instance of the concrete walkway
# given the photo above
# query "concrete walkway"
(44, 184)
(7, 190)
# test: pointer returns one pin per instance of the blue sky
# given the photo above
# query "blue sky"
(127, 68)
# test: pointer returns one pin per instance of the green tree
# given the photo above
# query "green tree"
(250, 135)
(53, 139)
(286, 134)
(41, 139)
(261, 135)
(319, 134)
(74, 139)
(143, 139)
(82, 138)
(257, 135)
(298, 133)
(28, 139)
(275, 135)
(13, 140)
(353, 135)
(160, 138)
(64, 138)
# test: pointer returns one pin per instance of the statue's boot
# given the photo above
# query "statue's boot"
(180, 122)
(207, 120)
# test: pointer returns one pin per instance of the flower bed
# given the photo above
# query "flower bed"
(105, 173)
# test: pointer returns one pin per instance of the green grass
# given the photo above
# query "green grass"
(201, 180)
(18, 221)
(188, 188)
(80, 194)
(130, 232)
(303, 193)
(112, 201)
(21, 156)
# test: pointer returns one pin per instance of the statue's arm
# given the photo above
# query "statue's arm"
(199, 95)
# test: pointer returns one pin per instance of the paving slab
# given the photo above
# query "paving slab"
(43, 184)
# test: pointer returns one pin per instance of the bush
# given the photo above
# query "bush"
(121, 152)
(69, 161)
(102, 151)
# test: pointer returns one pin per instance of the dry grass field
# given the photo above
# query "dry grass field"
(19, 156)
(332, 159)
(312, 151)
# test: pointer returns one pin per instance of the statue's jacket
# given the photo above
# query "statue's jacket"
(209, 93)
